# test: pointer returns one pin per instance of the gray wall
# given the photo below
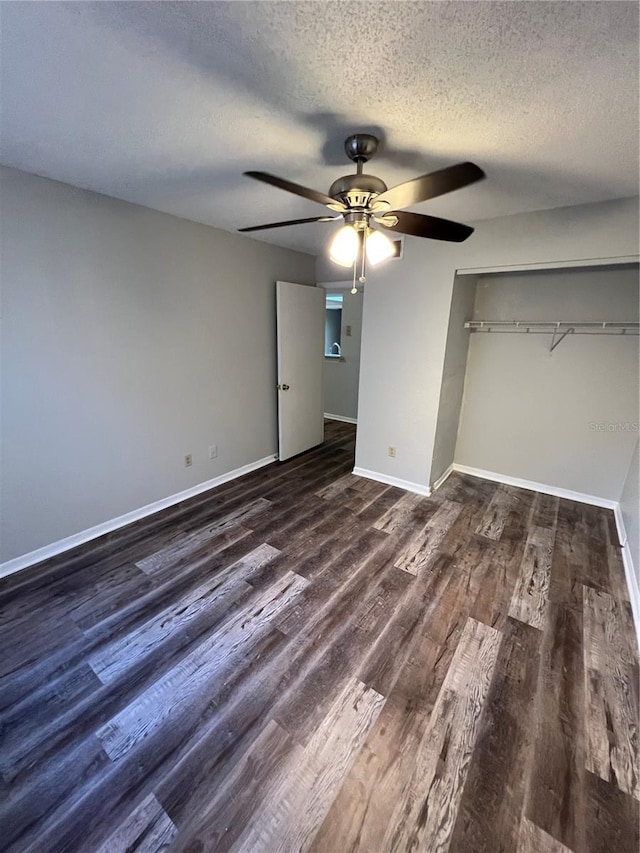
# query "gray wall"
(327, 271)
(341, 376)
(553, 417)
(630, 507)
(453, 373)
(130, 338)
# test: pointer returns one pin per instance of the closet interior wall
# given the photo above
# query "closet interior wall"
(567, 418)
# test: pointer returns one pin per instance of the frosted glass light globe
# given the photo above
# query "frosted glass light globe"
(379, 248)
(344, 246)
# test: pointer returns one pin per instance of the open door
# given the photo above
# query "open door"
(300, 323)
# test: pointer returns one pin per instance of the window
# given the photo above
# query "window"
(333, 325)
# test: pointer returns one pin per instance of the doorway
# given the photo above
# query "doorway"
(343, 330)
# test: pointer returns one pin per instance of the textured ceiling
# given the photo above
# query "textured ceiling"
(166, 104)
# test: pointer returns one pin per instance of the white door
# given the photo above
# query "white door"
(300, 314)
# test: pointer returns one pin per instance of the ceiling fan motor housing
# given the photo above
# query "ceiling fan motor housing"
(357, 190)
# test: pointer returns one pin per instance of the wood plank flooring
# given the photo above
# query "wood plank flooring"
(304, 660)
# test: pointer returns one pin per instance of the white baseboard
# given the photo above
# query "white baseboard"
(536, 487)
(622, 532)
(629, 571)
(342, 418)
(437, 483)
(37, 556)
(407, 485)
(632, 586)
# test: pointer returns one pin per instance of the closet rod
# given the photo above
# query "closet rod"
(548, 326)
(559, 329)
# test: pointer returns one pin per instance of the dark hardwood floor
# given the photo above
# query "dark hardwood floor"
(305, 660)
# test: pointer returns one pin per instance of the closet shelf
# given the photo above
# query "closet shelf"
(559, 329)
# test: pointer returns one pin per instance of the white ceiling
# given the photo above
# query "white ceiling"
(166, 104)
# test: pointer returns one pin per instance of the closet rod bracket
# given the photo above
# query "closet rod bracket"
(556, 341)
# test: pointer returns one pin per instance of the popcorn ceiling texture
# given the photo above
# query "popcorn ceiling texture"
(166, 104)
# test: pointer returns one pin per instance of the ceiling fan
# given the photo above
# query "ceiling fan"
(364, 200)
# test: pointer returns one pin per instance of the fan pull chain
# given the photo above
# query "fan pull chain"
(364, 255)
(354, 289)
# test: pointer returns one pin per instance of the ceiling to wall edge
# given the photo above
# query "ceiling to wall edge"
(552, 265)
(342, 284)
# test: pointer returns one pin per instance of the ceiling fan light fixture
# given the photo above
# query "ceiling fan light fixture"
(379, 248)
(362, 198)
(344, 246)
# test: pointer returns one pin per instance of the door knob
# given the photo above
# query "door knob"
(283, 387)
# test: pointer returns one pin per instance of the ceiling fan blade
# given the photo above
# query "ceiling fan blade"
(419, 225)
(429, 186)
(290, 222)
(297, 189)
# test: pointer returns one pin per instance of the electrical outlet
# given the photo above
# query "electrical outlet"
(213, 451)
(392, 452)
(188, 460)
(348, 331)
